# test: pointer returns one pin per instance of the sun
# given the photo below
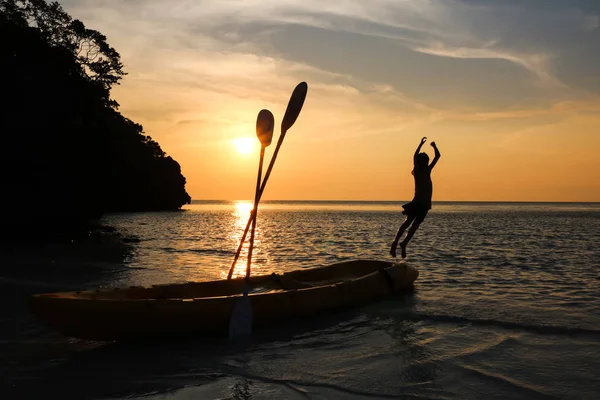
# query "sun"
(244, 145)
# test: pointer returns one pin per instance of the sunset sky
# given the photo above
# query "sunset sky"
(509, 90)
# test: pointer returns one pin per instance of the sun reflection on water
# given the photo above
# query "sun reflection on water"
(243, 208)
(241, 212)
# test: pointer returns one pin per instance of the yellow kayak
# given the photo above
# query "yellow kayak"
(204, 308)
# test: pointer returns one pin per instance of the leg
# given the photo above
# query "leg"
(409, 235)
(409, 220)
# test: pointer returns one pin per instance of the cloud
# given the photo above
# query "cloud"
(566, 108)
(591, 22)
(536, 63)
(192, 57)
(524, 35)
(515, 31)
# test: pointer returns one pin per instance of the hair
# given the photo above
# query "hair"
(422, 160)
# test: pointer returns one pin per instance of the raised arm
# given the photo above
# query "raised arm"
(437, 155)
(419, 149)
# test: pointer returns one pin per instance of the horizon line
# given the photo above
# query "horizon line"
(402, 201)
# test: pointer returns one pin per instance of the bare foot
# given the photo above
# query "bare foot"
(393, 249)
(403, 247)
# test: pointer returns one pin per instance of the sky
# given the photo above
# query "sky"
(509, 91)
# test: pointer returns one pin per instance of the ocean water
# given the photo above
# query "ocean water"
(507, 306)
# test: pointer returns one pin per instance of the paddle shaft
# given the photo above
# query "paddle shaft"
(251, 246)
(256, 201)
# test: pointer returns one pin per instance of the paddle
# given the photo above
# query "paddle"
(291, 114)
(264, 131)
(241, 317)
(240, 323)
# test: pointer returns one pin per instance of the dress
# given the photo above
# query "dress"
(421, 203)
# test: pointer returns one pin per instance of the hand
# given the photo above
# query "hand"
(423, 140)
(433, 144)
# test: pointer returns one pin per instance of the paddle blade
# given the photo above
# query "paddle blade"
(294, 106)
(265, 123)
(240, 322)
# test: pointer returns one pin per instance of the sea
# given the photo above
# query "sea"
(506, 306)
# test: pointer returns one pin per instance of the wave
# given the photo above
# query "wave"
(27, 282)
(530, 390)
(298, 386)
(535, 328)
(198, 251)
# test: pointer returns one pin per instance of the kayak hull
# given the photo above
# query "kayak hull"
(204, 308)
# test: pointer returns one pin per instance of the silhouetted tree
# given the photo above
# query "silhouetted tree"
(68, 153)
(100, 62)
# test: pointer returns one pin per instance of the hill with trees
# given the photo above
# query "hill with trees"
(68, 154)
